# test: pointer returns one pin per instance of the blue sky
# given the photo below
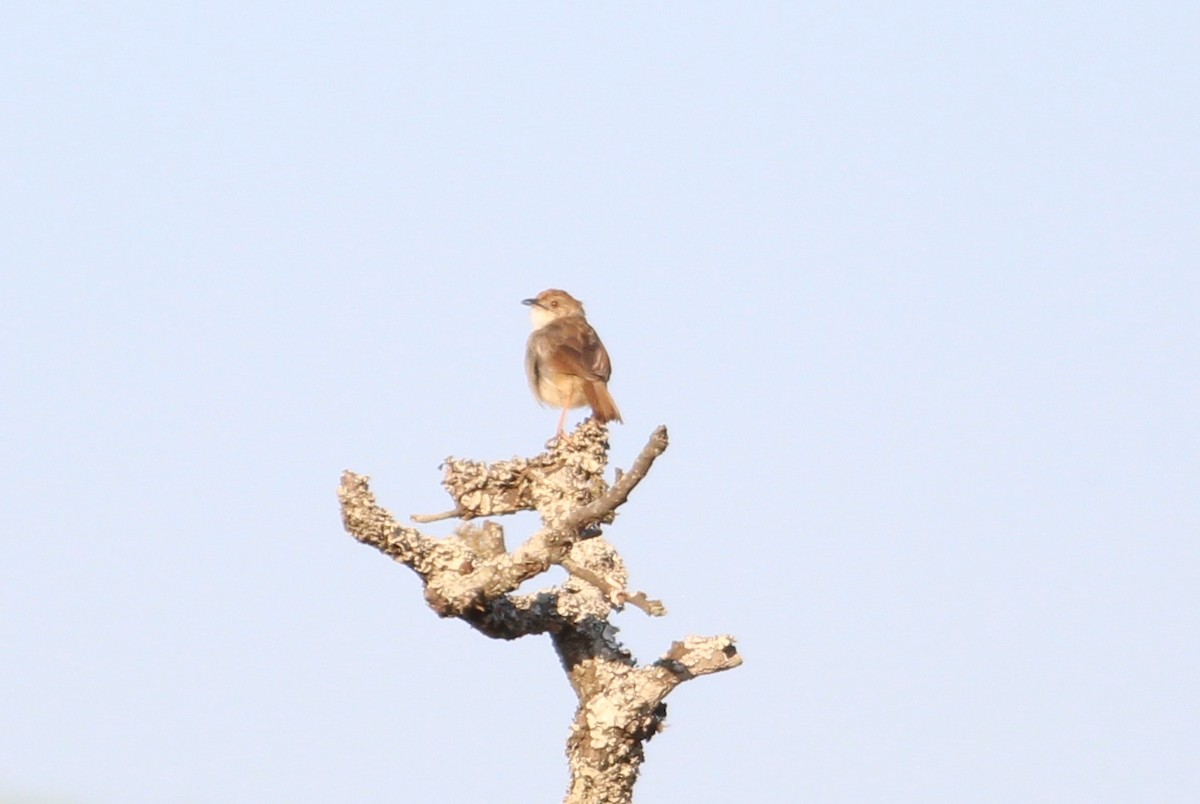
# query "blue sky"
(915, 290)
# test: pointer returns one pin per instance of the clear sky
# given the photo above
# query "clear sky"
(915, 287)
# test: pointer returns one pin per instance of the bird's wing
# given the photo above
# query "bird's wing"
(581, 353)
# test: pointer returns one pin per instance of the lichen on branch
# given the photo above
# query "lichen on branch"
(473, 576)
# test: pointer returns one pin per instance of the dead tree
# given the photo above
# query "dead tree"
(472, 575)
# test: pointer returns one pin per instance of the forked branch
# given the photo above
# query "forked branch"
(473, 576)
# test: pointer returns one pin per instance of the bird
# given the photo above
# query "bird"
(565, 361)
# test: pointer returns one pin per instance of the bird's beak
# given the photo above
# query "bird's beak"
(531, 302)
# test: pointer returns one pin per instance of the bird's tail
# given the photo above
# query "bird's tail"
(601, 402)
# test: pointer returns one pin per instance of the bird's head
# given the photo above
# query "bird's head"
(552, 304)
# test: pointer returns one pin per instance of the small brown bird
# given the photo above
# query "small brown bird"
(567, 364)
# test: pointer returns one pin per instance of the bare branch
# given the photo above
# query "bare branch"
(425, 519)
(654, 608)
(616, 595)
(473, 576)
(366, 521)
(699, 656)
(626, 483)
